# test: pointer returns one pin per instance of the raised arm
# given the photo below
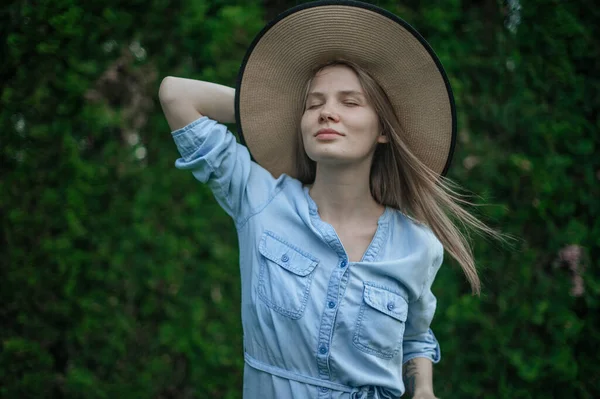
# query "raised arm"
(185, 100)
(196, 111)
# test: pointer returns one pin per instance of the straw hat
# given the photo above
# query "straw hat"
(279, 62)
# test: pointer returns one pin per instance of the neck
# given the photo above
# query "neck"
(343, 195)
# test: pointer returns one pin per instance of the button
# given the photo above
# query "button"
(285, 258)
(331, 304)
(390, 306)
(323, 350)
(343, 264)
(324, 390)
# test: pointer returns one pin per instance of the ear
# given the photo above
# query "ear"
(382, 139)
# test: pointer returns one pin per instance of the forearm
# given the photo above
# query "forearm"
(418, 378)
(184, 100)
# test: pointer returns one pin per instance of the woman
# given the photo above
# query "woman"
(350, 121)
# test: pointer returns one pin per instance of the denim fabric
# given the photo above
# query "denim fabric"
(316, 325)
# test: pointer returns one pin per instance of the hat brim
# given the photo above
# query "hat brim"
(280, 60)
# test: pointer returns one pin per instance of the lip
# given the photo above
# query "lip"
(327, 132)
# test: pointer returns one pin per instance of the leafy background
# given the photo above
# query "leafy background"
(119, 274)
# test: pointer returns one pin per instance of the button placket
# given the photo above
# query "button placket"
(335, 286)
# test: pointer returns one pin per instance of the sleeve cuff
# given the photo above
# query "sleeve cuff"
(189, 138)
(428, 347)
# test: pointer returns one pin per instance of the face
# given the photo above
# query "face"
(339, 126)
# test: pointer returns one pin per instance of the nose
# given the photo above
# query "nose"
(327, 115)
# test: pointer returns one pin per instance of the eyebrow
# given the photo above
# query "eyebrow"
(343, 92)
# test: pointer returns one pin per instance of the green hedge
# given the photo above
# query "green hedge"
(119, 274)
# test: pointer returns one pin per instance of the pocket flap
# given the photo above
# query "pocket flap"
(285, 255)
(386, 301)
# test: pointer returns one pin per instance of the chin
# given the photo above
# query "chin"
(329, 158)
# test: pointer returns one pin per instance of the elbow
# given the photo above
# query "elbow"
(166, 92)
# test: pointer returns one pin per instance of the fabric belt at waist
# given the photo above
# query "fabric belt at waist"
(356, 393)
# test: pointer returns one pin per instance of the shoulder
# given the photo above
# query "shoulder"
(292, 188)
(283, 201)
(420, 235)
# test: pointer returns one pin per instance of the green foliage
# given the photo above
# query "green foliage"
(119, 274)
(528, 122)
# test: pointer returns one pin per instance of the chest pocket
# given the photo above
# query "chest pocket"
(380, 326)
(285, 276)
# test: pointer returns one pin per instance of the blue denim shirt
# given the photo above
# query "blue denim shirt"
(316, 325)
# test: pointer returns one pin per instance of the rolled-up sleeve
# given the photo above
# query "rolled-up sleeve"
(419, 340)
(210, 151)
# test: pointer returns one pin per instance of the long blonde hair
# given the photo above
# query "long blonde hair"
(412, 187)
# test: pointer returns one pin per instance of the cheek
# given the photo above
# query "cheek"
(373, 124)
(366, 123)
(304, 130)
(303, 122)
(376, 127)
(303, 126)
